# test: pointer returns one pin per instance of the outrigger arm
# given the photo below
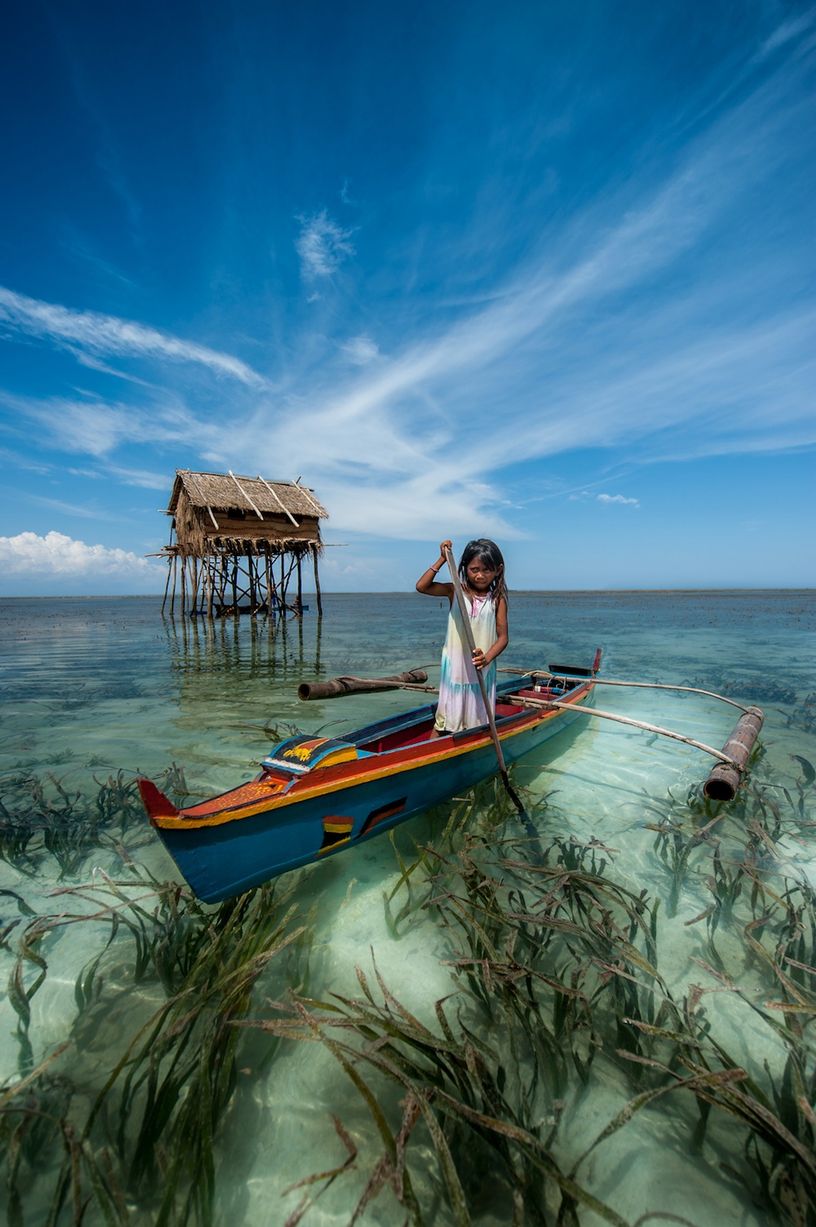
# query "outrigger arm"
(724, 780)
(608, 681)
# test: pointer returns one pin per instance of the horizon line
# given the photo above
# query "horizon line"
(137, 596)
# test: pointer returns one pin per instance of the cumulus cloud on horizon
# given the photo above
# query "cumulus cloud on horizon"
(56, 554)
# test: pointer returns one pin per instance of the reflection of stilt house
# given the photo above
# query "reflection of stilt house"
(238, 545)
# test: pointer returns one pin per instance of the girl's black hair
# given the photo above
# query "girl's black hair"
(490, 553)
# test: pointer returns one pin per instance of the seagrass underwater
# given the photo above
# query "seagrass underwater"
(455, 1024)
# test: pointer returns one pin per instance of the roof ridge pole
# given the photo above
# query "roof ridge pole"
(279, 500)
(258, 513)
(313, 501)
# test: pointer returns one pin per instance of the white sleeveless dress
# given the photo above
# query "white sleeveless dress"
(460, 698)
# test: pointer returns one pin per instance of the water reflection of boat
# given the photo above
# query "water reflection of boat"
(318, 795)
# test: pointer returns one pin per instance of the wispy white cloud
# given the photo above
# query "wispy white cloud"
(55, 554)
(96, 428)
(322, 246)
(581, 348)
(628, 326)
(618, 499)
(786, 32)
(14, 460)
(70, 509)
(360, 350)
(107, 334)
(145, 478)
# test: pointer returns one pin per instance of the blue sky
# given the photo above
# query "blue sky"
(542, 272)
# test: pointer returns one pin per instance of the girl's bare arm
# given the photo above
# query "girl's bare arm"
(428, 583)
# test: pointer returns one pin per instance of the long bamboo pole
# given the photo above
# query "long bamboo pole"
(491, 715)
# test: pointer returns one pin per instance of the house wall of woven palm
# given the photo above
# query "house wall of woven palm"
(239, 545)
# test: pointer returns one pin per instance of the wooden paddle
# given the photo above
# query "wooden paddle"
(491, 717)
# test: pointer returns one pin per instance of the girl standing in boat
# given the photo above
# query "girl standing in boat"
(481, 570)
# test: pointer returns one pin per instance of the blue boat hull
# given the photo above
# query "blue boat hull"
(227, 853)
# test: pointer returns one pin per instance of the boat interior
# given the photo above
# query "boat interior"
(396, 734)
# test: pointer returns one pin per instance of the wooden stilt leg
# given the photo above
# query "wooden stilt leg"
(317, 581)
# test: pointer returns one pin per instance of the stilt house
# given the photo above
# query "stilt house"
(238, 545)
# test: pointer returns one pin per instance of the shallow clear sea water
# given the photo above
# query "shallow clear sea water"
(93, 686)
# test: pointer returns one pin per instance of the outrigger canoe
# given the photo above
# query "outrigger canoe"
(316, 796)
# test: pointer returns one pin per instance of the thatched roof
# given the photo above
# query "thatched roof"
(220, 491)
